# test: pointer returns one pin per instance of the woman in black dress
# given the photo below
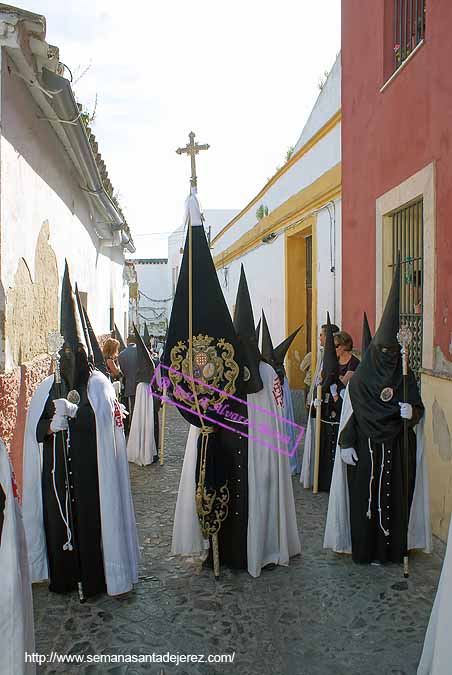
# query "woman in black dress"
(334, 384)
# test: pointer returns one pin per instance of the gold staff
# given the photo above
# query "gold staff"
(203, 502)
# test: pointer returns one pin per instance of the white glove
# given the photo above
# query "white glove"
(349, 456)
(333, 389)
(317, 403)
(65, 407)
(406, 411)
(123, 409)
(59, 423)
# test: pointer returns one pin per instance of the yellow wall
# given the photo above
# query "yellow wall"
(437, 398)
(296, 297)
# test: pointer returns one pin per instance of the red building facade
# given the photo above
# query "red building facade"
(397, 194)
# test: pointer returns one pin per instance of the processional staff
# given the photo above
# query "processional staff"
(202, 501)
(318, 422)
(404, 338)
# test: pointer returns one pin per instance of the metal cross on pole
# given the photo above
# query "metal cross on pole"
(192, 149)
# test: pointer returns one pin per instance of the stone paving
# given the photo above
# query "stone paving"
(323, 615)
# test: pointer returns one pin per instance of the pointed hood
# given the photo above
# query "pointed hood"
(118, 336)
(282, 349)
(330, 368)
(379, 376)
(258, 332)
(217, 359)
(246, 332)
(98, 357)
(275, 355)
(267, 350)
(145, 364)
(84, 326)
(386, 335)
(70, 323)
(146, 336)
(366, 337)
(74, 365)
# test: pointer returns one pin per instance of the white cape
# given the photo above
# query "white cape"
(187, 536)
(141, 444)
(436, 656)
(272, 526)
(272, 522)
(16, 602)
(338, 531)
(119, 534)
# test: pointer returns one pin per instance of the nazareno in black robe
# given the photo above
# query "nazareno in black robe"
(377, 482)
(82, 463)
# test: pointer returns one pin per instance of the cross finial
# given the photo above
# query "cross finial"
(192, 149)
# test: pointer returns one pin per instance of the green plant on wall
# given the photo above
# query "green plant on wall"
(261, 212)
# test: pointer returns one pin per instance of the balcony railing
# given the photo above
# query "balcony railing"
(409, 28)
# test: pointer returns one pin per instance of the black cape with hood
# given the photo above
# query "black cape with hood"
(82, 456)
(375, 430)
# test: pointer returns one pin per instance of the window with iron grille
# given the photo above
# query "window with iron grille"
(407, 239)
(409, 28)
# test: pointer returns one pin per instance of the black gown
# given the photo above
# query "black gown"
(82, 463)
(330, 415)
(227, 474)
(233, 534)
(382, 537)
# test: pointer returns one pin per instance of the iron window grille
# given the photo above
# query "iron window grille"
(408, 241)
(409, 28)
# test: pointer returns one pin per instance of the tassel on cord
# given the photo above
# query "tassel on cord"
(385, 532)
(68, 544)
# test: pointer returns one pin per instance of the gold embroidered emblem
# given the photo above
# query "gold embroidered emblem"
(213, 365)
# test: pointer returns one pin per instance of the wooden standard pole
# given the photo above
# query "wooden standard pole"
(318, 423)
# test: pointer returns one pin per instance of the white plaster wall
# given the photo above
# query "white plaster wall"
(328, 256)
(38, 184)
(154, 281)
(265, 273)
(327, 105)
